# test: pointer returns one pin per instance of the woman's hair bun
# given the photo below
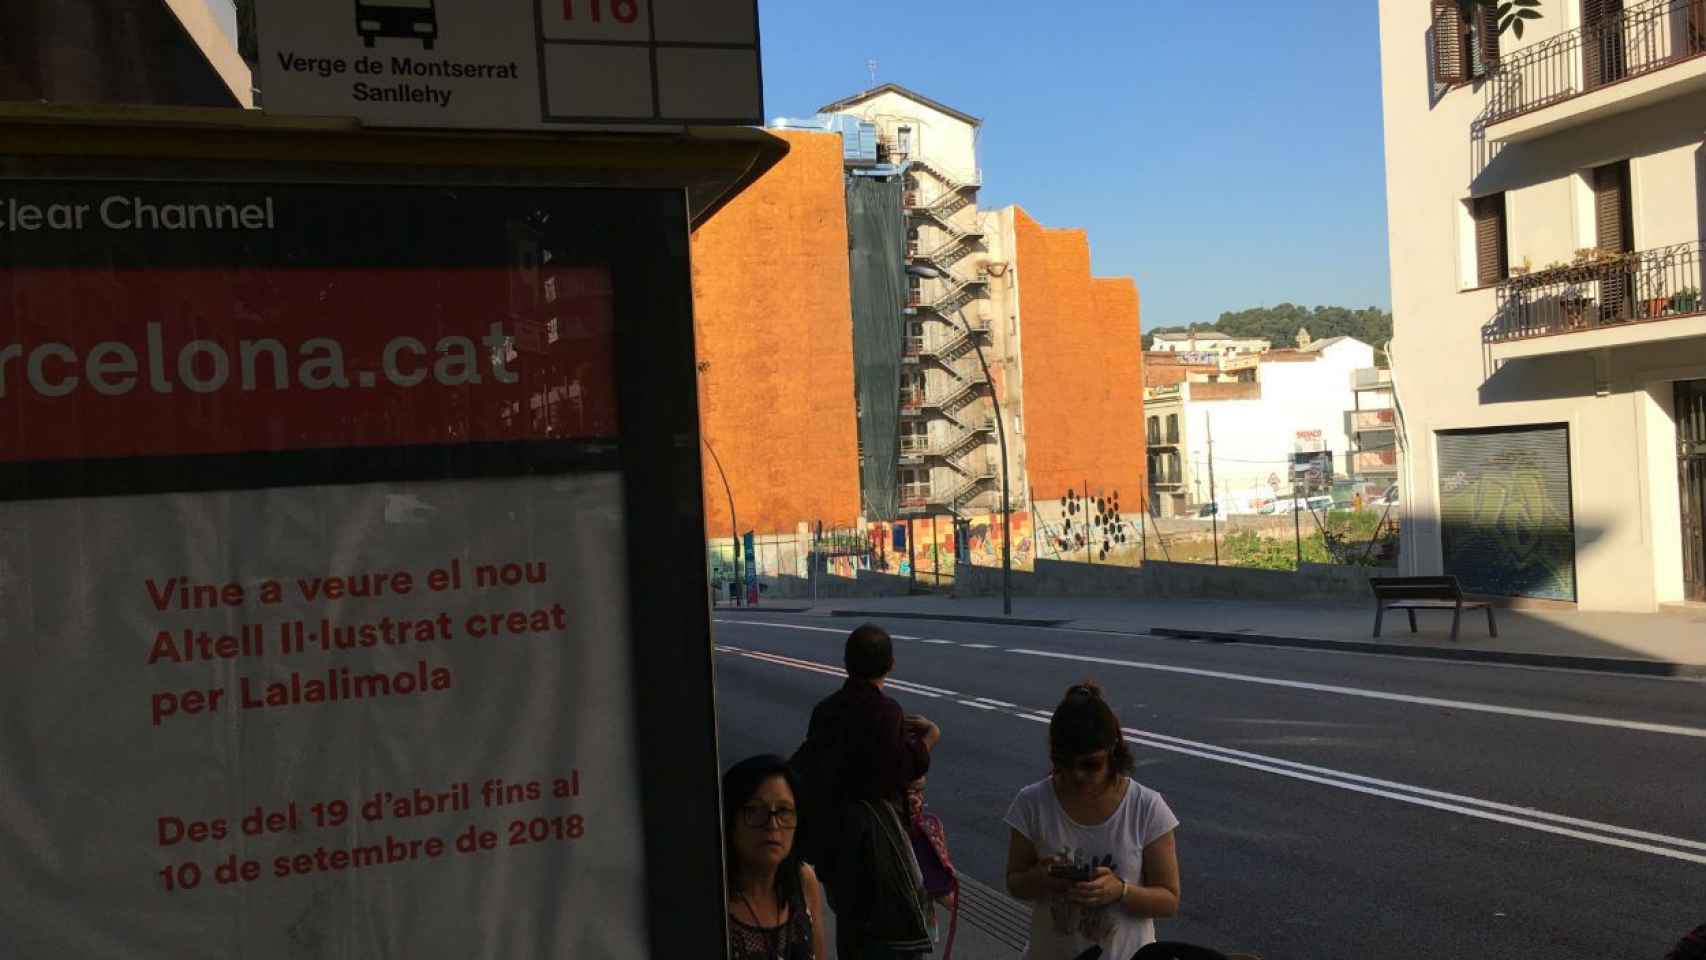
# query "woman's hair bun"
(1088, 688)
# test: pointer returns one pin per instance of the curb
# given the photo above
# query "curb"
(946, 617)
(1622, 665)
(763, 608)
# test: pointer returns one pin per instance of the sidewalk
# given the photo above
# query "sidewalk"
(1655, 644)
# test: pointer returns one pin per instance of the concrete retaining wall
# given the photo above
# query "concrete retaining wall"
(1159, 580)
(866, 584)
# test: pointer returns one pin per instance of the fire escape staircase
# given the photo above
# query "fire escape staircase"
(960, 292)
(968, 389)
(947, 353)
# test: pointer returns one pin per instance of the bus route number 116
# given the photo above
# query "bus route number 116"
(621, 11)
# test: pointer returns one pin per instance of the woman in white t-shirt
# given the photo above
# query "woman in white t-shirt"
(1090, 818)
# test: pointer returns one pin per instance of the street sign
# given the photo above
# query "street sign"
(513, 64)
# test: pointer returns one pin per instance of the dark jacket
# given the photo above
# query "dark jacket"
(875, 757)
(877, 891)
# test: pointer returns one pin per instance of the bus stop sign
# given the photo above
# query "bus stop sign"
(513, 64)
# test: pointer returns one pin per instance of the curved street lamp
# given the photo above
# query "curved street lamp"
(734, 528)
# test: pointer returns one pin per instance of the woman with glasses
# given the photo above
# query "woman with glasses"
(1089, 844)
(775, 904)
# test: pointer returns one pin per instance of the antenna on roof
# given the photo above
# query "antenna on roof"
(871, 65)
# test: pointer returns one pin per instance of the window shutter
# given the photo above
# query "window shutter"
(1451, 49)
(1491, 246)
(1614, 231)
(1697, 26)
(1603, 55)
(1611, 205)
(1486, 38)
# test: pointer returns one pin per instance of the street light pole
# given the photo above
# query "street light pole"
(734, 527)
(1001, 439)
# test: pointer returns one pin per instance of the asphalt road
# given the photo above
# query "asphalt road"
(1332, 805)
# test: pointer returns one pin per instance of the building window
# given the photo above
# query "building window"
(1614, 232)
(1172, 428)
(1492, 240)
(903, 141)
(1154, 429)
(1614, 227)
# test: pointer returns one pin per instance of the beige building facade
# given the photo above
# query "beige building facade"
(1545, 205)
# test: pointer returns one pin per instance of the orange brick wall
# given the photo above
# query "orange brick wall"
(773, 319)
(1082, 352)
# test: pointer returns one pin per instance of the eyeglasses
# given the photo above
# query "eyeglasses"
(759, 817)
(1092, 764)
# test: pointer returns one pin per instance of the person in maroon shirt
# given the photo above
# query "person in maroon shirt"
(871, 751)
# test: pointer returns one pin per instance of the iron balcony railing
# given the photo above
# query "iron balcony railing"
(1160, 439)
(1598, 292)
(1375, 461)
(1627, 43)
(1371, 378)
(1374, 421)
(914, 496)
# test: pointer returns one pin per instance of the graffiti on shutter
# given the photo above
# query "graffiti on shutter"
(1506, 523)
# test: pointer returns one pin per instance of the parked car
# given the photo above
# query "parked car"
(1208, 510)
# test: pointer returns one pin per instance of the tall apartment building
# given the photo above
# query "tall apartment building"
(1546, 213)
(1062, 346)
(947, 456)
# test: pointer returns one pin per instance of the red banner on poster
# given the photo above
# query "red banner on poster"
(118, 363)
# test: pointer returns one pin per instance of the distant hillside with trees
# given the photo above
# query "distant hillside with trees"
(1279, 325)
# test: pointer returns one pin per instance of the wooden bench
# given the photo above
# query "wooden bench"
(1410, 594)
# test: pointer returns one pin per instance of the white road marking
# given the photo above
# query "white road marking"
(1589, 720)
(1149, 735)
(978, 646)
(923, 690)
(1524, 817)
(782, 626)
(947, 642)
(998, 703)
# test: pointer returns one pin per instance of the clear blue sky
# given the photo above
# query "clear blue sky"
(1227, 155)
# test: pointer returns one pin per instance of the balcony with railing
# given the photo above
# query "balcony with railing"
(1371, 378)
(1374, 421)
(911, 348)
(913, 449)
(911, 403)
(1600, 301)
(1382, 462)
(1610, 64)
(1165, 475)
(915, 497)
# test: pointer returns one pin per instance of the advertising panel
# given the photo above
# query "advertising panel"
(318, 617)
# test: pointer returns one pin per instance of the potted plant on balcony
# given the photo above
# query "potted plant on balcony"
(1686, 300)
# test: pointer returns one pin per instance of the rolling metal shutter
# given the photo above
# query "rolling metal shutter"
(1506, 526)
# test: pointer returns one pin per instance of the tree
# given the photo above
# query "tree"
(1508, 14)
(1279, 324)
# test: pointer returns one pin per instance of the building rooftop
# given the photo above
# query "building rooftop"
(858, 98)
(1316, 346)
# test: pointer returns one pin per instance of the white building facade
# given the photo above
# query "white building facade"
(1549, 357)
(1297, 410)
